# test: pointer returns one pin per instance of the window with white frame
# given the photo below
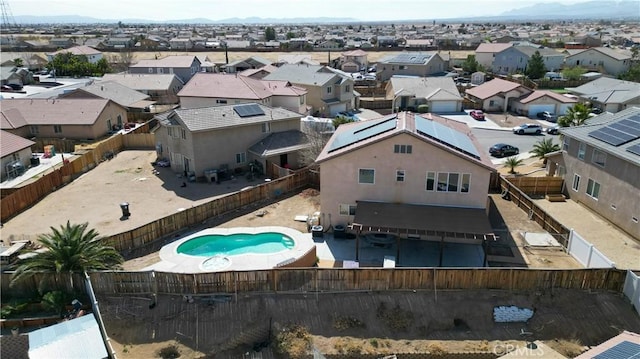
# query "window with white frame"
(266, 127)
(443, 178)
(366, 176)
(576, 182)
(402, 148)
(453, 182)
(581, 150)
(465, 183)
(599, 157)
(241, 157)
(593, 188)
(565, 143)
(347, 89)
(400, 176)
(347, 209)
(183, 133)
(34, 130)
(302, 99)
(57, 128)
(431, 181)
(329, 89)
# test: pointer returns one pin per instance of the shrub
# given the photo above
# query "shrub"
(341, 323)
(423, 108)
(294, 341)
(169, 352)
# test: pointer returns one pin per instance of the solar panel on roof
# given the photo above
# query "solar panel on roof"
(362, 131)
(622, 350)
(447, 136)
(248, 110)
(627, 126)
(635, 149)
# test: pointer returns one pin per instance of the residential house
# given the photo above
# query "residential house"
(183, 66)
(238, 44)
(163, 89)
(120, 42)
(600, 162)
(78, 119)
(206, 90)
(134, 101)
(609, 94)
(353, 61)
(601, 59)
(13, 150)
(253, 62)
(15, 75)
(515, 59)
(496, 95)
(486, 53)
(387, 41)
(414, 175)
(329, 44)
(439, 93)
(229, 137)
(542, 100)
(180, 43)
(328, 92)
(296, 59)
(93, 55)
(410, 64)
(61, 42)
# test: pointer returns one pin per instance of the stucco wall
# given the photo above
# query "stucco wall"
(339, 177)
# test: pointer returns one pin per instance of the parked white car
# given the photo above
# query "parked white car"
(528, 128)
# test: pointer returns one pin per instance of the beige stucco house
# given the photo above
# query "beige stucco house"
(79, 119)
(209, 89)
(439, 93)
(328, 91)
(543, 100)
(411, 64)
(353, 61)
(600, 162)
(496, 95)
(601, 59)
(231, 136)
(13, 150)
(405, 159)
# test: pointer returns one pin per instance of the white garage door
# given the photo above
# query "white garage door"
(534, 109)
(444, 106)
(334, 109)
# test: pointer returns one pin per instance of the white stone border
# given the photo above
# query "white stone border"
(172, 261)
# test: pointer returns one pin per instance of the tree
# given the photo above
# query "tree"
(318, 134)
(70, 249)
(18, 62)
(535, 68)
(633, 74)
(576, 115)
(573, 73)
(270, 33)
(512, 162)
(540, 149)
(470, 64)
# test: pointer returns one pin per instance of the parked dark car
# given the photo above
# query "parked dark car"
(548, 116)
(502, 149)
(553, 130)
(6, 88)
(15, 87)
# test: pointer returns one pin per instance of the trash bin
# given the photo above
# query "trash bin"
(35, 160)
(339, 232)
(125, 209)
(317, 232)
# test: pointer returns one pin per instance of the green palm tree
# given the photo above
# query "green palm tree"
(70, 249)
(576, 115)
(540, 149)
(512, 162)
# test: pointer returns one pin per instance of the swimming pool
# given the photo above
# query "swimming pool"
(228, 249)
(237, 243)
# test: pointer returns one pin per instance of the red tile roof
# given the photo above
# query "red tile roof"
(492, 88)
(21, 112)
(10, 143)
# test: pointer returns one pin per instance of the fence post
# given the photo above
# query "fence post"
(590, 254)
(569, 241)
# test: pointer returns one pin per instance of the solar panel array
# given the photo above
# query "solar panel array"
(619, 132)
(635, 149)
(411, 58)
(362, 131)
(622, 350)
(248, 110)
(447, 136)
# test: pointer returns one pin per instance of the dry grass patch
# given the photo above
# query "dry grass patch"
(570, 348)
(294, 341)
(396, 318)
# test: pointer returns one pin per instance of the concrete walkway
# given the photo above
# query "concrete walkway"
(619, 247)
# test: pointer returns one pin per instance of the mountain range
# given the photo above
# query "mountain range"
(596, 10)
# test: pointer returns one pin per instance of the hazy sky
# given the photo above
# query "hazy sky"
(367, 10)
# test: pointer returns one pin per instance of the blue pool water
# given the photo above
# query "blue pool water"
(233, 244)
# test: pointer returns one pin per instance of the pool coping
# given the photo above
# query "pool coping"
(172, 261)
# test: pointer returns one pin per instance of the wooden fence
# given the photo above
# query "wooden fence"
(537, 214)
(136, 241)
(297, 280)
(86, 157)
(538, 185)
